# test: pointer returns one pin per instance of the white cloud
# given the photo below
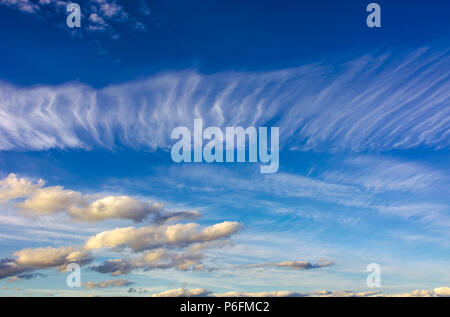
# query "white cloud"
(115, 207)
(155, 259)
(306, 102)
(13, 187)
(41, 258)
(181, 292)
(151, 237)
(48, 200)
(51, 257)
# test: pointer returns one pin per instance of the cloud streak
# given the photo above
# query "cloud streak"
(394, 104)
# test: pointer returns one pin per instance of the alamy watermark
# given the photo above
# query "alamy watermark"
(374, 278)
(216, 151)
(74, 278)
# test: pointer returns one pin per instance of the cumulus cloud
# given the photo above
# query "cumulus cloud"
(150, 237)
(159, 246)
(182, 292)
(110, 283)
(40, 258)
(115, 207)
(442, 291)
(50, 200)
(51, 257)
(13, 187)
(43, 200)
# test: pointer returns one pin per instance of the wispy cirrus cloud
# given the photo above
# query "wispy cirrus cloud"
(375, 102)
(158, 245)
(383, 174)
(152, 260)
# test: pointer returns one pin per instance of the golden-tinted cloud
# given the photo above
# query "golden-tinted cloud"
(41, 200)
(150, 237)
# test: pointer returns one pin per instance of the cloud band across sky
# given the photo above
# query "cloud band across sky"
(372, 102)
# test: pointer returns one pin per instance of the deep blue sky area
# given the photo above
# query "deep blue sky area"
(213, 36)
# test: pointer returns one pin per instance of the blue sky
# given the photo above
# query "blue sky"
(86, 173)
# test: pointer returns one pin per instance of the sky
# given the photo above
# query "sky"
(87, 177)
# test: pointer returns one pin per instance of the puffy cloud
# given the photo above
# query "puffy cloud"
(50, 200)
(9, 268)
(47, 200)
(12, 187)
(159, 244)
(110, 283)
(442, 291)
(154, 259)
(115, 207)
(51, 257)
(181, 292)
(150, 237)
